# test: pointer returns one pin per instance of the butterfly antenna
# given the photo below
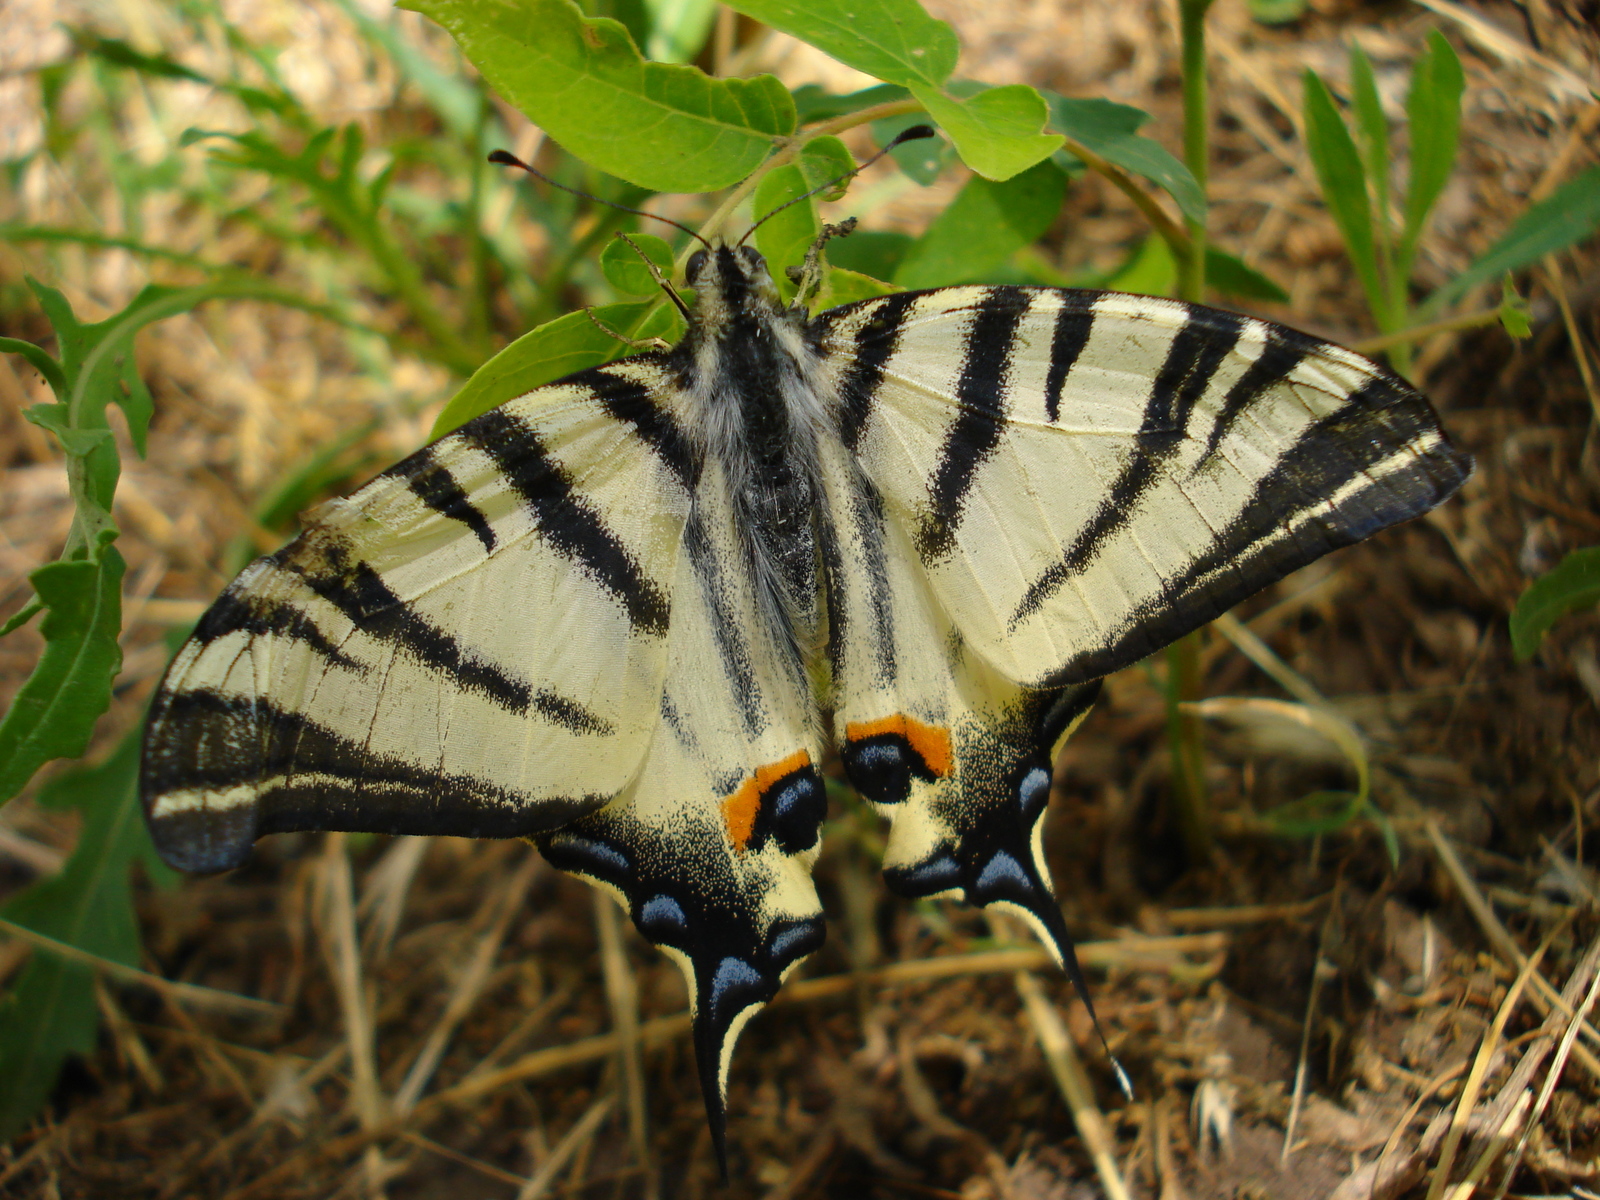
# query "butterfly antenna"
(913, 134)
(505, 158)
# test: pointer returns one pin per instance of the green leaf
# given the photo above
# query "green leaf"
(893, 40)
(1514, 312)
(873, 252)
(1434, 109)
(1150, 270)
(1111, 131)
(1230, 275)
(1373, 128)
(1574, 584)
(1343, 179)
(39, 360)
(54, 713)
(663, 126)
(846, 287)
(983, 227)
(1569, 215)
(623, 269)
(785, 234)
(77, 442)
(996, 131)
(553, 351)
(50, 1012)
(1318, 812)
(813, 102)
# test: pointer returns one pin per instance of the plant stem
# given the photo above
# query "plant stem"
(1190, 804)
(1196, 131)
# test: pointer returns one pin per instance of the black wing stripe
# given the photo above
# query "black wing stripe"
(1201, 344)
(981, 407)
(431, 482)
(630, 402)
(737, 661)
(262, 616)
(1073, 325)
(566, 521)
(1285, 350)
(1361, 439)
(360, 593)
(875, 343)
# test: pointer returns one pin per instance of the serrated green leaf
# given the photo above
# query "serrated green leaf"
(55, 711)
(39, 359)
(1111, 131)
(786, 233)
(1230, 275)
(1572, 585)
(51, 1012)
(893, 40)
(1569, 215)
(1343, 180)
(997, 132)
(663, 126)
(625, 271)
(983, 226)
(553, 351)
(1434, 112)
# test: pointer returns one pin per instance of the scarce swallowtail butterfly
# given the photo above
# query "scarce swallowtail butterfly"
(627, 614)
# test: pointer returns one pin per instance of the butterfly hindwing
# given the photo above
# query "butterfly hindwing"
(1087, 476)
(710, 847)
(469, 645)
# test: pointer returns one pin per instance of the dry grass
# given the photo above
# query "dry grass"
(449, 1019)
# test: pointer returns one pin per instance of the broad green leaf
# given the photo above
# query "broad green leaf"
(54, 713)
(846, 287)
(1111, 131)
(983, 227)
(893, 40)
(1344, 189)
(678, 28)
(1372, 127)
(812, 102)
(786, 233)
(50, 1012)
(1434, 109)
(39, 360)
(1572, 585)
(1230, 275)
(623, 269)
(1569, 215)
(663, 126)
(997, 131)
(553, 351)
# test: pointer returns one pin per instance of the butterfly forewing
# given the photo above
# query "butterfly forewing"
(1087, 476)
(470, 645)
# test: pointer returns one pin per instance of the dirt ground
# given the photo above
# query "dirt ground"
(1304, 1017)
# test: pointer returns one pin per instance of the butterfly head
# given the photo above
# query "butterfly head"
(733, 288)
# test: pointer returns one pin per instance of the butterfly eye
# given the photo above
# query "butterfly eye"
(697, 264)
(752, 257)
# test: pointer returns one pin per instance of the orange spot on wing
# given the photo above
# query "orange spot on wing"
(931, 742)
(741, 806)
